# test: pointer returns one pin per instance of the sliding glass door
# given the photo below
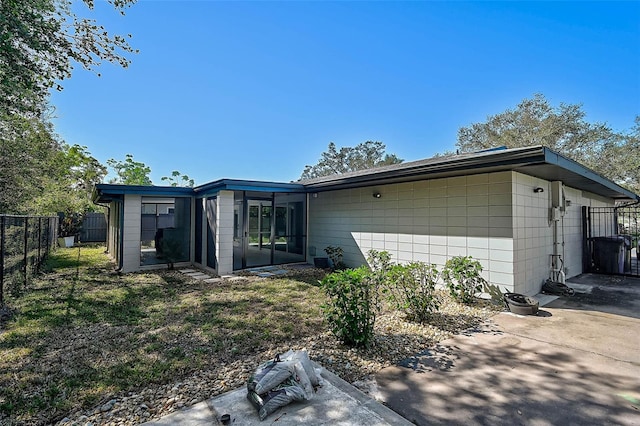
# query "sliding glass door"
(268, 229)
(259, 233)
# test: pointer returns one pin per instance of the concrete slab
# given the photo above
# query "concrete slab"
(335, 403)
(199, 276)
(576, 363)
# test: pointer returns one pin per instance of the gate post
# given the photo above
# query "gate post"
(39, 243)
(26, 249)
(586, 252)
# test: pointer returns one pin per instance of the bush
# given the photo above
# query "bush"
(335, 254)
(352, 307)
(411, 288)
(462, 276)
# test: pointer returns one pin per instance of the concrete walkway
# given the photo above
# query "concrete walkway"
(577, 363)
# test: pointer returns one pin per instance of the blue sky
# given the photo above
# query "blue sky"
(257, 90)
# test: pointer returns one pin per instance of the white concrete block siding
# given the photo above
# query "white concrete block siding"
(494, 217)
(224, 232)
(131, 235)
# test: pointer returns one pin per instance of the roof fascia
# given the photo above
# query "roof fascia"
(510, 159)
(556, 159)
(214, 188)
(104, 189)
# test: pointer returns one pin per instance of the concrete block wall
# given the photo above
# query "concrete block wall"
(131, 236)
(571, 226)
(533, 229)
(429, 221)
(224, 232)
(533, 233)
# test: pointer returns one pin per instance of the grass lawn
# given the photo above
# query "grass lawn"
(83, 332)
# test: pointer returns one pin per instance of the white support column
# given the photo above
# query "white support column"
(224, 232)
(131, 235)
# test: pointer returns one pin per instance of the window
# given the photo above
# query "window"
(164, 230)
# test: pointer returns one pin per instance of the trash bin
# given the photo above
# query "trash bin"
(609, 254)
(628, 245)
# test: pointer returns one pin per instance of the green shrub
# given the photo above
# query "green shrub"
(380, 263)
(351, 311)
(462, 276)
(497, 297)
(411, 288)
(335, 254)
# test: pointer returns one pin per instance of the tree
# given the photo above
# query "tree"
(178, 179)
(74, 173)
(620, 158)
(27, 145)
(130, 172)
(365, 155)
(563, 129)
(40, 40)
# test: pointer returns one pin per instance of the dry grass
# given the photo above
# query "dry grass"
(84, 335)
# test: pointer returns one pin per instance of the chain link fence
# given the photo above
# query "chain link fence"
(24, 243)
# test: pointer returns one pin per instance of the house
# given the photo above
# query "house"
(511, 209)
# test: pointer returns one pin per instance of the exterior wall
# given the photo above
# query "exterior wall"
(571, 227)
(224, 232)
(131, 235)
(429, 221)
(533, 231)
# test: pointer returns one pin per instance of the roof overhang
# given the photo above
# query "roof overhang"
(537, 161)
(212, 188)
(106, 192)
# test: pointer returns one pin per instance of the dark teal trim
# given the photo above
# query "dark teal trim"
(551, 157)
(215, 187)
(105, 190)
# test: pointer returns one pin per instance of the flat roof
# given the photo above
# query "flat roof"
(537, 161)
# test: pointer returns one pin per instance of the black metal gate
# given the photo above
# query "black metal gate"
(611, 238)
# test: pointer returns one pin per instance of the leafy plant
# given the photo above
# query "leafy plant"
(462, 276)
(171, 251)
(411, 288)
(497, 298)
(352, 307)
(336, 254)
(379, 261)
